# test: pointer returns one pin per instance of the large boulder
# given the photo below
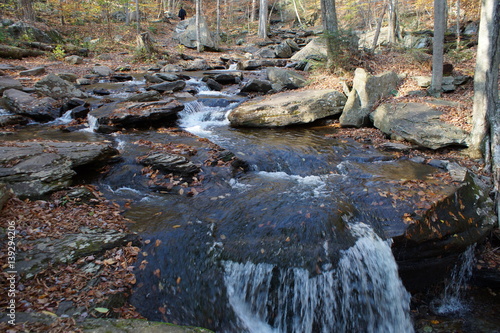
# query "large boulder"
(258, 86)
(417, 123)
(185, 34)
(33, 169)
(57, 88)
(24, 104)
(285, 78)
(289, 108)
(20, 29)
(316, 47)
(366, 91)
(114, 116)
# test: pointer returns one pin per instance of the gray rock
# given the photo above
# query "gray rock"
(57, 88)
(168, 86)
(135, 325)
(289, 108)
(7, 82)
(74, 60)
(227, 78)
(67, 249)
(293, 45)
(133, 115)
(147, 96)
(283, 50)
(102, 70)
(70, 77)
(19, 29)
(423, 81)
(170, 163)
(33, 169)
(33, 72)
(285, 78)
(171, 68)
(5, 195)
(366, 91)
(256, 85)
(185, 34)
(259, 63)
(24, 104)
(168, 77)
(417, 123)
(214, 85)
(197, 65)
(265, 52)
(153, 78)
(12, 119)
(316, 46)
(83, 82)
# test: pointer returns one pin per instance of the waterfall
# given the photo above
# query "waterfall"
(452, 298)
(92, 121)
(363, 294)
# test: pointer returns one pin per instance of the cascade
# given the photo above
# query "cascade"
(363, 294)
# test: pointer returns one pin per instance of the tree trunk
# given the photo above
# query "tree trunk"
(393, 21)
(12, 52)
(27, 10)
(138, 17)
(485, 136)
(379, 26)
(198, 19)
(218, 19)
(252, 13)
(330, 28)
(262, 32)
(438, 46)
(145, 43)
(458, 24)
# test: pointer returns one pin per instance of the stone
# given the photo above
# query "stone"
(185, 34)
(366, 91)
(24, 104)
(170, 163)
(288, 108)
(171, 68)
(197, 65)
(83, 82)
(33, 169)
(5, 195)
(7, 82)
(167, 77)
(256, 85)
(74, 60)
(153, 78)
(214, 85)
(259, 63)
(102, 70)
(316, 46)
(19, 29)
(57, 88)
(147, 96)
(265, 52)
(12, 119)
(33, 72)
(70, 77)
(417, 123)
(423, 81)
(283, 50)
(285, 78)
(136, 115)
(135, 325)
(168, 86)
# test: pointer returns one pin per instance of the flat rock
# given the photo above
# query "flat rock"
(24, 104)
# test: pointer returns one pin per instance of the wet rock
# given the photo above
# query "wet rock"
(214, 85)
(259, 63)
(12, 119)
(33, 72)
(57, 88)
(134, 115)
(417, 123)
(170, 163)
(285, 78)
(226, 78)
(7, 82)
(80, 112)
(256, 85)
(33, 169)
(366, 91)
(288, 108)
(153, 78)
(121, 77)
(168, 86)
(168, 77)
(147, 96)
(24, 104)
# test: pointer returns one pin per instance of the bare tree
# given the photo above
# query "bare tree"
(485, 133)
(379, 26)
(393, 19)
(198, 22)
(330, 28)
(262, 32)
(438, 46)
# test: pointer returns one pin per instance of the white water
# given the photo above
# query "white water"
(64, 119)
(452, 300)
(199, 119)
(363, 294)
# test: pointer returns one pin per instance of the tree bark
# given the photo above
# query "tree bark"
(12, 52)
(485, 136)
(145, 43)
(197, 20)
(438, 46)
(27, 10)
(262, 32)
(393, 21)
(379, 26)
(330, 28)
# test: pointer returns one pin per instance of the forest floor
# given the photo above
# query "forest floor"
(56, 216)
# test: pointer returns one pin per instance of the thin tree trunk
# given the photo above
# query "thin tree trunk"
(296, 11)
(379, 26)
(330, 28)
(138, 17)
(198, 32)
(438, 46)
(27, 10)
(262, 32)
(218, 19)
(392, 21)
(252, 13)
(458, 24)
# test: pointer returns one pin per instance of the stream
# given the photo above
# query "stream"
(300, 242)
